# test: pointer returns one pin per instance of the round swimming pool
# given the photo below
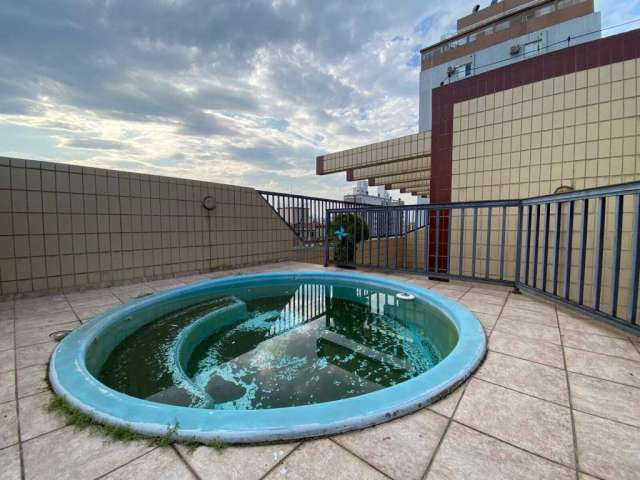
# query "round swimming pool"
(267, 357)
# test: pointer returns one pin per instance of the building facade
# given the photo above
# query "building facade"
(559, 120)
(362, 196)
(566, 118)
(504, 33)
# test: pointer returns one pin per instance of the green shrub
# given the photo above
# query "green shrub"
(346, 231)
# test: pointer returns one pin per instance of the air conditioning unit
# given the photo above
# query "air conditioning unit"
(451, 70)
(515, 49)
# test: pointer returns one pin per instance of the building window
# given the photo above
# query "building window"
(545, 10)
(568, 3)
(503, 25)
(531, 49)
(460, 71)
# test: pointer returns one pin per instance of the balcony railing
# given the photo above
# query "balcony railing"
(304, 215)
(579, 248)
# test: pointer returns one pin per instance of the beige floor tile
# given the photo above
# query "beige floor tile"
(6, 305)
(10, 463)
(570, 321)
(459, 288)
(6, 336)
(422, 281)
(603, 366)
(487, 320)
(479, 306)
(474, 296)
(159, 464)
(492, 290)
(517, 314)
(35, 419)
(527, 377)
(6, 323)
(526, 329)
(523, 302)
(469, 455)
(87, 313)
(448, 404)
(38, 354)
(322, 460)
(126, 293)
(618, 347)
(531, 424)
(242, 463)
(41, 305)
(527, 348)
(7, 360)
(402, 448)
(8, 424)
(450, 292)
(193, 278)
(7, 386)
(535, 425)
(73, 454)
(91, 298)
(166, 284)
(49, 304)
(33, 336)
(32, 380)
(607, 449)
(605, 399)
(44, 320)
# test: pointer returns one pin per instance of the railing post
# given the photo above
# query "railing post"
(326, 238)
(518, 250)
(632, 307)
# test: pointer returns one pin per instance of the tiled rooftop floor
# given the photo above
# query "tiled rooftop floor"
(557, 397)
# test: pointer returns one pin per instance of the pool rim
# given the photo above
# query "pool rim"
(70, 378)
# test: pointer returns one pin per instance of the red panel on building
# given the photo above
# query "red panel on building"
(597, 53)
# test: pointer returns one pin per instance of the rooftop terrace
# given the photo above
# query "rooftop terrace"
(558, 396)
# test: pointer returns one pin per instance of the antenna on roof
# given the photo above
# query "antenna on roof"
(493, 2)
(475, 9)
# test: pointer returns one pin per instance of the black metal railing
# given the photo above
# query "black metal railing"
(580, 248)
(304, 215)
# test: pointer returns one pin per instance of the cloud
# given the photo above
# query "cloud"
(96, 144)
(243, 92)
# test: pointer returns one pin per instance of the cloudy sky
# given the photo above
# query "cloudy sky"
(244, 92)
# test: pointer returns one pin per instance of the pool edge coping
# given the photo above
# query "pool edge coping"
(257, 426)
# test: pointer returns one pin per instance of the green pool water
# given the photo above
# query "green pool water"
(283, 344)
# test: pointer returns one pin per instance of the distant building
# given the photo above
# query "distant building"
(379, 226)
(294, 214)
(361, 195)
(502, 33)
(524, 99)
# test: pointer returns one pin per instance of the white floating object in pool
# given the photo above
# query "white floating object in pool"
(405, 296)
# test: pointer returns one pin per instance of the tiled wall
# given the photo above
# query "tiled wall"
(402, 178)
(419, 164)
(404, 252)
(579, 130)
(401, 148)
(65, 226)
